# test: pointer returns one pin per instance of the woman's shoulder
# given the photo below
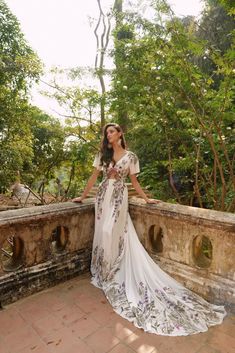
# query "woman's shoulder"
(132, 155)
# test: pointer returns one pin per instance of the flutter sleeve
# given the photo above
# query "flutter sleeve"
(134, 164)
(97, 162)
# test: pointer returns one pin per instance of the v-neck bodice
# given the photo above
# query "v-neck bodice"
(126, 165)
(121, 157)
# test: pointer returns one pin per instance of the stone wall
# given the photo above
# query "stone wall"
(195, 246)
(44, 245)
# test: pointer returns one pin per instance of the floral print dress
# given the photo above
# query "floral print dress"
(134, 284)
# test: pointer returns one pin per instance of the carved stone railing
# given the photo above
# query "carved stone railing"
(44, 245)
(195, 246)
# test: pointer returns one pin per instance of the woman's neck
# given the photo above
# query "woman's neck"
(117, 148)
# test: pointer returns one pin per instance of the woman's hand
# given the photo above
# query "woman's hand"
(152, 201)
(77, 199)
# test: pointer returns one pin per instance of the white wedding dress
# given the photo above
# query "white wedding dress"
(134, 284)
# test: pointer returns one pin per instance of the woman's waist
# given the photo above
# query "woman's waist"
(113, 180)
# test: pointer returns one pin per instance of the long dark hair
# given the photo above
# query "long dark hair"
(106, 151)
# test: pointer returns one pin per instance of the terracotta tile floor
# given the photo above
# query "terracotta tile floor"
(75, 317)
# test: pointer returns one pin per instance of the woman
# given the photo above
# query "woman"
(133, 283)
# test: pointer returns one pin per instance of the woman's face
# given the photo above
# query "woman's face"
(112, 134)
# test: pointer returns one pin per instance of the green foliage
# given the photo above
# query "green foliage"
(173, 92)
(82, 128)
(48, 145)
(229, 6)
(15, 139)
(19, 65)
(180, 113)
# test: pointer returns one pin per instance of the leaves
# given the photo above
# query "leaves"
(180, 113)
(19, 65)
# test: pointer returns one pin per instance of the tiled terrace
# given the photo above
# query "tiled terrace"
(75, 317)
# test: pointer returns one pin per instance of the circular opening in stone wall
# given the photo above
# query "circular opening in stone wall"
(59, 238)
(202, 251)
(12, 253)
(155, 239)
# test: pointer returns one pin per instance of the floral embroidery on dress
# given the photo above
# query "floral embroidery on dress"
(117, 198)
(100, 197)
(121, 244)
(100, 266)
(166, 312)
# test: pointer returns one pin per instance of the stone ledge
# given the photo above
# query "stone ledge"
(25, 214)
(217, 219)
(176, 211)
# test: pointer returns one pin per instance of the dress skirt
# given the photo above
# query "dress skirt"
(136, 287)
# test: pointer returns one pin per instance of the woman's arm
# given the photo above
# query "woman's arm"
(140, 191)
(90, 183)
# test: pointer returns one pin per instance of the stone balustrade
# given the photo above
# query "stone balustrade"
(44, 245)
(195, 246)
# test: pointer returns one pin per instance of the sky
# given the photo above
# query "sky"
(61, 31)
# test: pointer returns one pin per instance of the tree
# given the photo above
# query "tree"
(19, 66)
(123, 33)
(229, 6)
(179, 122)
(215, 27)
(102, 42)
(48, 145)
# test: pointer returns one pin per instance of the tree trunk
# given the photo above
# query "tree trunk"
(122, 112)
(102, 41)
